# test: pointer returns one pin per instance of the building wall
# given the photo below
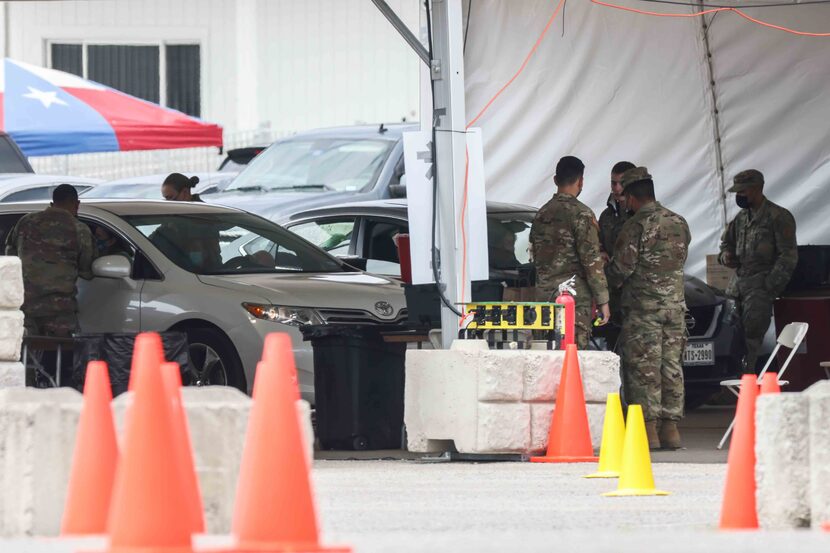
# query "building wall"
(284, 64)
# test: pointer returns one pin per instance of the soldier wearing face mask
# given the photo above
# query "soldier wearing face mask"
(759, 243)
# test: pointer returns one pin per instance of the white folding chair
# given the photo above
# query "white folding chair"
(826, 366)
(791, 337)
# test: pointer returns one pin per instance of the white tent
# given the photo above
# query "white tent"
(616, 85)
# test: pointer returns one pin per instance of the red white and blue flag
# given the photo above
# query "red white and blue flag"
(49, 112)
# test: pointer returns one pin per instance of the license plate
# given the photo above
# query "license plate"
(699, 353)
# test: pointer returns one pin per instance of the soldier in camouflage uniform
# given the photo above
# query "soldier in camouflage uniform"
(760, 244)
(611, 221)
(55, 248)
(564, 240)
(648, 264)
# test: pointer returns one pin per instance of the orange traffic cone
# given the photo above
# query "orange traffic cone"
(149, 499)
(739, 512)
(95, 459)
(274, 352)
(154, 353)
(274, 508)
(171, 373)
(769, 384)
(826, 526)
(569, 440)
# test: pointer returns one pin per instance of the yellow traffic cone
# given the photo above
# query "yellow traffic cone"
(613, 434)
(635, 475)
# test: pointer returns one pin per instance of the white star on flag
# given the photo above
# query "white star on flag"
(44, 97)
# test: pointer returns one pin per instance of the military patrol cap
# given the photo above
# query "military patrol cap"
(631, 176)
(747, 179)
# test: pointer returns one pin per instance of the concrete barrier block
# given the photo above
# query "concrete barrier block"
(499, 376)
(12, 374)
(541, 415)
(503, 427)
(542, 372)
(440, 404)
(11, 282)
(819, 397)
(782, 452)
(600, 374)
(37, 440)
(11, 334)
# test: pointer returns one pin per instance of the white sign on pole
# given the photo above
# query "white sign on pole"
(476, 212)
(417, 156)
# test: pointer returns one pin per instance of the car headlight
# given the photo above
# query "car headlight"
(294, 316)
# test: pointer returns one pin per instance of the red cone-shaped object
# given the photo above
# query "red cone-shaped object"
(569, 440)
(739, 512)
(171, 373)
(274, 508)
(149, 498)
(769, 384)
(95, 458)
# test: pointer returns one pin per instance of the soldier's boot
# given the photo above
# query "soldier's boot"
(670, 435)
(651, 433)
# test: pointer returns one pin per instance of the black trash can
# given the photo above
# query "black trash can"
(358, 386)
(117, 350)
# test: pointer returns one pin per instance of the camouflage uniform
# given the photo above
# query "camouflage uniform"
(764, 252)
(565, 242)
(54, 249)
(648, 263)
(611, 222)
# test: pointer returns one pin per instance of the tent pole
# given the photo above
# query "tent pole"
(715, 112)
(450, 154)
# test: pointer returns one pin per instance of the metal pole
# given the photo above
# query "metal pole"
(404, 31)
(450, 153)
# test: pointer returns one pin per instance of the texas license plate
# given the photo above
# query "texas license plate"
(699, 353)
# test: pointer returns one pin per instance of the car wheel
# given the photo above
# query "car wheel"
(213, 360)
(698, 398)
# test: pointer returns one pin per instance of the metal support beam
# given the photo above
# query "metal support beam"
(450, 154)
(404, 31)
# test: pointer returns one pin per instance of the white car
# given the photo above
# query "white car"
(28, 187)
(171, 267)
(148, 187)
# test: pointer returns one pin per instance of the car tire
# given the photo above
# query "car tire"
(699, 398)
(214, 361)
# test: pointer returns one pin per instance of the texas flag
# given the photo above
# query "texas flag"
(49, 112)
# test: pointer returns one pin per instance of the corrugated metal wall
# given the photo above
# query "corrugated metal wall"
(317, 62)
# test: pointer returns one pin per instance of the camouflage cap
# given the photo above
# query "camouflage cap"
(747, 179)
(634, 175)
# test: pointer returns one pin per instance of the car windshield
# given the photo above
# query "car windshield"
(508, 239)
(134, 191)
(325, 164)
(221, 244)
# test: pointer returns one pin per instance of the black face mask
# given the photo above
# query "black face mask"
(630, 212)
(742, 201)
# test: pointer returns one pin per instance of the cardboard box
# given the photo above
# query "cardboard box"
(717, 276)
(523, 294)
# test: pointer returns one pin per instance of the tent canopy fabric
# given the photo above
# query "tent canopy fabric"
(609, 85)
(49, 112)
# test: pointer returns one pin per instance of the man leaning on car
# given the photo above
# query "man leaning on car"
(759, 243)
(55, 248)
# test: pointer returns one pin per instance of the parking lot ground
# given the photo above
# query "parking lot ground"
(390, 501)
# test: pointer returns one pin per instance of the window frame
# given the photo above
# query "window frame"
(162, 46)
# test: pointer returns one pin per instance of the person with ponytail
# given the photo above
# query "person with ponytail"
(177, 188)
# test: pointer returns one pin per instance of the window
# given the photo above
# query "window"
(381, 251)
(334, 236)
(166, 74)
(231, 243)
(39, 193)
(325, 164)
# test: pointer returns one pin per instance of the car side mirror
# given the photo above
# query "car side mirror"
(111, 266)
